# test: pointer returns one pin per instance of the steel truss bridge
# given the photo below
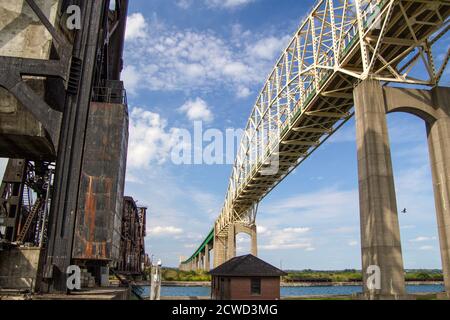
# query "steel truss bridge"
(309, 94)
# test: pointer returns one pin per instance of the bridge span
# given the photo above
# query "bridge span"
(341, 62)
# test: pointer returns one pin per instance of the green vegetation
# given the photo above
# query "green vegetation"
(355, 276)
(323, 276)
(424, 275)
(169, 274)
(350, 275)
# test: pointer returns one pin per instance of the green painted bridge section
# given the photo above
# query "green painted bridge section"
(209, 240)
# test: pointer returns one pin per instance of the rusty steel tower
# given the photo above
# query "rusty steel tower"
(63, 108)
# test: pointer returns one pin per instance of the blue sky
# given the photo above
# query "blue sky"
(212, 57)
(207, 60)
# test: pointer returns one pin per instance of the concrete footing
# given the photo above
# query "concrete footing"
(19, 268)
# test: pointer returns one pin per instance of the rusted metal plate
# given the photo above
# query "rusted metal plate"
(99, 214)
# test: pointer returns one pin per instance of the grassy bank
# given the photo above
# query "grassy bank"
(356, 276)
(310, 276)
(169, 274)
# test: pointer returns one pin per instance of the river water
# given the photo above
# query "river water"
(294, 291)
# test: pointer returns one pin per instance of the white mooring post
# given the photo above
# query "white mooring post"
(155, 281)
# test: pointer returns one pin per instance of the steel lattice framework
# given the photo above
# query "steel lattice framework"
(309, 93)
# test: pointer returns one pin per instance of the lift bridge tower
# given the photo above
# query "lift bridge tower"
(64, 128)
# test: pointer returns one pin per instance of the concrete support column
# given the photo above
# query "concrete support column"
(219, 248)
(231, 242)
(380, 232)
(439, 146)
(196, 263)
(206, 259)
(253, 235)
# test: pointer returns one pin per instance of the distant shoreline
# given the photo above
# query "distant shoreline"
(290, 284)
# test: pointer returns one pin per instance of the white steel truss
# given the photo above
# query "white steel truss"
(309, 93)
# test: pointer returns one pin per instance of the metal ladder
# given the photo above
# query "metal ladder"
(29, 220)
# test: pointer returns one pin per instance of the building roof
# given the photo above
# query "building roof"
(247, 266)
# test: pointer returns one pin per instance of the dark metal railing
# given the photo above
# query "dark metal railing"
(109, 95)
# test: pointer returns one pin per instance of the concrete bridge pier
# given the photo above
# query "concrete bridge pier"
(254, 241)
(219, 249)
(206, 259)
(252, 232)
(200, 262)
(380, 232)
(236, 229)
(231, 242)
(439, 149)
(197, 263)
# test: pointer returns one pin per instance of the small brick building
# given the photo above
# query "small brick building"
(245, 278)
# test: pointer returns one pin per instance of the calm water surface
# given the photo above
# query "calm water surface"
(296, 291)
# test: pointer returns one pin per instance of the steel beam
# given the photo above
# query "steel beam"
(70, 151)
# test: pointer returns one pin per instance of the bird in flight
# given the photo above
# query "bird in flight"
(404, 211)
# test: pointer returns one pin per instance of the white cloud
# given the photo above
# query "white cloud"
(296, 230)
(345, 229)
(243, 92)
(268, 48)
(422, 239)
(149, 140)
(163, 231)
(331, 214)
(261, 229)
(170, 59)
(207, 202)
(197, 109)
(227, 3)
(131, 78)
(332, 203)
(284, 238)
(426, 248)
(136, 27)
(285, 246)
(241, 239)
(353, 243)
(185, 4)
